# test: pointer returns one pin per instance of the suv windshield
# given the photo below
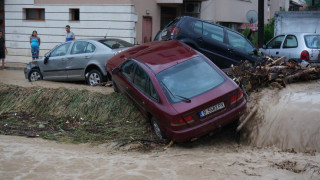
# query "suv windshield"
(312, 41)
(189, 79)
(115, 43)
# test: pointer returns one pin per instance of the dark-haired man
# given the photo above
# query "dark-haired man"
(69, 35)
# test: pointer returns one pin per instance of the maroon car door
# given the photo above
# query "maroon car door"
(135, 83)
(138, 93)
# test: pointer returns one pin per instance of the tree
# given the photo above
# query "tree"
(268, 31)
(267, 35)
(312, 5)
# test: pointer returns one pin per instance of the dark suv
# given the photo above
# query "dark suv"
(222, 45)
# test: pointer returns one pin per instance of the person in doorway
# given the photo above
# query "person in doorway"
(35, 45)
(69, 35)
(3, 50)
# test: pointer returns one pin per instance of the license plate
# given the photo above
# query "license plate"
(211, 109)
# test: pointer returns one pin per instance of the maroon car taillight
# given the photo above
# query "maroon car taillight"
(175, 31)
(181, 122)
(237, 97)
(304, 55)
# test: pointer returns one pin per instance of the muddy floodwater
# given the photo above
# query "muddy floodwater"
(281, 141)
(37, 159)
(287, 118)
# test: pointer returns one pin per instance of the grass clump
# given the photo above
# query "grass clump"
(77, 116)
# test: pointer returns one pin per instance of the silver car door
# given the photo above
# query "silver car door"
(55, 68)
(274, 46)
(80, 54)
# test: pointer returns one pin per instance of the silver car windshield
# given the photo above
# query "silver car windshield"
(189, 79)
(312, 41)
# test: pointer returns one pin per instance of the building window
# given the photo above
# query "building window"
(35, 14)
(74, 14)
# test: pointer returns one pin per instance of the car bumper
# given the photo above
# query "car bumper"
(27, 71)
(208, 126)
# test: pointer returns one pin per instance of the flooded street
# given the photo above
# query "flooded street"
(281, 141)
(25, 158)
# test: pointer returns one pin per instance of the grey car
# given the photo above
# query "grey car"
(295, 46)
(76, 61)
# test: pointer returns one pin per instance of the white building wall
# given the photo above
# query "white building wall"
(96, 21)
(227, 10)
(236, 10)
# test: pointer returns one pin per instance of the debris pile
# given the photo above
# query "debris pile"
(273, 72)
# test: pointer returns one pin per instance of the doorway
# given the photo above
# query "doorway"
(147, 29)
(167, 15)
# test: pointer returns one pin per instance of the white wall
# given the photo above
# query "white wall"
(95, 22)
(227, 10)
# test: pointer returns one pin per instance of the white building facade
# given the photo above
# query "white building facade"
(49, 18)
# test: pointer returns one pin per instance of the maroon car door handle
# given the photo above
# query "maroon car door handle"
(143, 103)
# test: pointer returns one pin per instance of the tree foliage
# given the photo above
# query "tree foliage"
(268, 31)
(310, 7)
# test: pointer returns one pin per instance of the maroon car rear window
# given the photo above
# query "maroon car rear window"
(189, 79)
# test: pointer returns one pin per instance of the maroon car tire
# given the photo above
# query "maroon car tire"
(157, 129)
(115, 87)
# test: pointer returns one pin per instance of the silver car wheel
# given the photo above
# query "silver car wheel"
(35, 76)
(94, 78)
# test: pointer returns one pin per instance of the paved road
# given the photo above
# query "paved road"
(16, 77)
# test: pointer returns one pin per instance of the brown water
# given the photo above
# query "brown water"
(287, 118)
(37, 159)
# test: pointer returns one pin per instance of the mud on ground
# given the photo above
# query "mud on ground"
(270, 148)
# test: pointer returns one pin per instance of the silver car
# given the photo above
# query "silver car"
(295, 46)
(76, 61)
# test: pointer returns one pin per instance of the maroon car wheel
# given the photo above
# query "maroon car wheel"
(115, 87)
(157, 129)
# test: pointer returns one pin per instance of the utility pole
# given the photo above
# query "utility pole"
(260, 22)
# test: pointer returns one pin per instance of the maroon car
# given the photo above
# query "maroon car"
(178, 89)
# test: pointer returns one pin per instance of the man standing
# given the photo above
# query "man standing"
(69, 35)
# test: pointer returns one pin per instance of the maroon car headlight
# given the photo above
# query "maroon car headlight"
(183, 121)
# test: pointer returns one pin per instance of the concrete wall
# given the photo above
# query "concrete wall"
(235, 10)
(115, 20)
(297, 21)
(227, 10)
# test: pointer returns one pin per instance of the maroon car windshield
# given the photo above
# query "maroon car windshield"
(189, 79)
